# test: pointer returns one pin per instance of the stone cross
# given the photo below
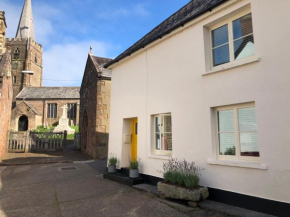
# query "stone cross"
(64, 111)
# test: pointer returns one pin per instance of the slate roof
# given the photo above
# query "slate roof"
(99, 63)
(187, 13)
(32, 108)
(49, 93)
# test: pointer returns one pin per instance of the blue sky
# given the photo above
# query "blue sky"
(67, 28)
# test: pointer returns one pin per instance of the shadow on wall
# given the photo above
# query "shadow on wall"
(95, 144)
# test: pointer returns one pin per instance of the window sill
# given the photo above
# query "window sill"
(243, 164)
(162, 157)
(234, 65)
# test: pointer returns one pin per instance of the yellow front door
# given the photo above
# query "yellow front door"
(134, 139)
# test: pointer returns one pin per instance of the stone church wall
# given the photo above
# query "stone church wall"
(31, 59)
(40, 105)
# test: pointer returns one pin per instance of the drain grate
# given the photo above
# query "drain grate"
(67, 168)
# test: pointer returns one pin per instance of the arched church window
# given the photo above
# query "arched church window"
(14, 79)
(16, 54)
(35, 60)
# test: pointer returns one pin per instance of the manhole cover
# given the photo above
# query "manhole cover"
(67, 168)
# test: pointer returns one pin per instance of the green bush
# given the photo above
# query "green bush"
(134, 164)
(112, 160)
(181, 173)
(230, 151)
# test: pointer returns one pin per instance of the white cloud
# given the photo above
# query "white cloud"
(66, 62)
(43, 15)
(138, 10)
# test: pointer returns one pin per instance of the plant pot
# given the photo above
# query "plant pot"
(181, 193)
(134, 173)
(112, 169)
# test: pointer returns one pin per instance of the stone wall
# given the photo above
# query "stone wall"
(30, 59)
(6, 94)
(6, 91)
(94, 112)
(22, 108)
(2, 32)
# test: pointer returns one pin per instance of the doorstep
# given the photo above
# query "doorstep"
(122, 177)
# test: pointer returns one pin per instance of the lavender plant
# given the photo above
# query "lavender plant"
(181, 173)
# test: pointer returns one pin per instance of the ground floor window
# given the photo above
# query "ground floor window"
(71, 110)
(237, 136)
(162, 134)
(52, 110)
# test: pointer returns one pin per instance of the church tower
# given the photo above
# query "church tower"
(26, 54)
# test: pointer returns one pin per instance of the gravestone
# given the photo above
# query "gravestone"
(63, 123)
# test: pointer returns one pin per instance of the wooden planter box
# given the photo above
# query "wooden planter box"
(176, 192)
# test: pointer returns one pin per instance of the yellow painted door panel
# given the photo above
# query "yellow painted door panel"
(134, 139)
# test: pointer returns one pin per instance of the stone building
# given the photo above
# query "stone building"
(42, 106)
(34, 105)
(95, 107)
(26, 54)
(6, 91)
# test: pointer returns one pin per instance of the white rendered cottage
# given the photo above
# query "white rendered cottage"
(211, 84)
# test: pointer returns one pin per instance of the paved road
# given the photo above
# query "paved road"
(46, 190)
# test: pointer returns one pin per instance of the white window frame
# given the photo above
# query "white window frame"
(229, 22)
(156, 151)
(237, 134)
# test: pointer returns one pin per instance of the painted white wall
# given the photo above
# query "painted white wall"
(169, 78)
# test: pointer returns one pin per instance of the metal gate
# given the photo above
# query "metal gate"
(34, 141)
(77, 141)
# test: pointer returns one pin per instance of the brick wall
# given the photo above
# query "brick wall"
(6, 94)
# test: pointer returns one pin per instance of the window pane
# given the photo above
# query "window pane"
(220, 36)
(158, 141)
(48, 110)
(247, 119)
(227, 144)
(167, 141)
(221, 55)
(249, 144)
(242, 26)
(244, 47)
(167, 124)
(157, 124)
(226, 121)
(55, 111)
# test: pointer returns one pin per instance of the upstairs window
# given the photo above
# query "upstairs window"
(52, 110)
(233, 40)
(237, 133)
(16, 54)
(162, 134)
(35, 58)
(71, 110)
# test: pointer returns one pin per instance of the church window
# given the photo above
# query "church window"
(71, 110)
(35, 60)
(16, 54)
(52, 110)
(14, 79)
